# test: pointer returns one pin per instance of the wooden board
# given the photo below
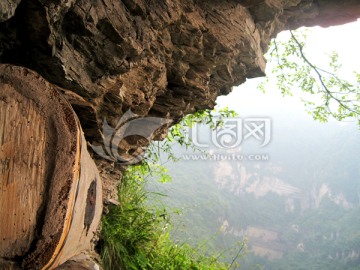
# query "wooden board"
(22, 171)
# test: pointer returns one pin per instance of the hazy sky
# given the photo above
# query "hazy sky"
(321, 42)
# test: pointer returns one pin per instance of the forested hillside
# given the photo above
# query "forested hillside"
(298, 209)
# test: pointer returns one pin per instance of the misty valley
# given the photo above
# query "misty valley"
(300, 209)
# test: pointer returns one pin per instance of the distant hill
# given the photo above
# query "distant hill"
(301, 204)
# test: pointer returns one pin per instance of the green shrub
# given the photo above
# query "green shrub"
(135, 234)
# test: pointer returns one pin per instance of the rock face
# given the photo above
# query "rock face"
(161, 58)
(7, 9)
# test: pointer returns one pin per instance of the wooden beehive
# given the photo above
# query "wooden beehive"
(50, 190)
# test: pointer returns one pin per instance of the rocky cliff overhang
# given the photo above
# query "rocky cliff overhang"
(162, 58)
(111, 59)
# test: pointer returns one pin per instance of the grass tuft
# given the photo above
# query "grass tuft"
(135, 235)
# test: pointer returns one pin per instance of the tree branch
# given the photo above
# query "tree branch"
(316, 70)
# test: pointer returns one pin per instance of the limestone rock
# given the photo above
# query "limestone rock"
(7, 9)
(79, 262)
(163, 58)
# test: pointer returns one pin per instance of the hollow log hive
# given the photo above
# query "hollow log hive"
(50, 189)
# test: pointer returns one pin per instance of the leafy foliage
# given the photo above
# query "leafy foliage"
(135, 234)
(178, 134)
(333, 96)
